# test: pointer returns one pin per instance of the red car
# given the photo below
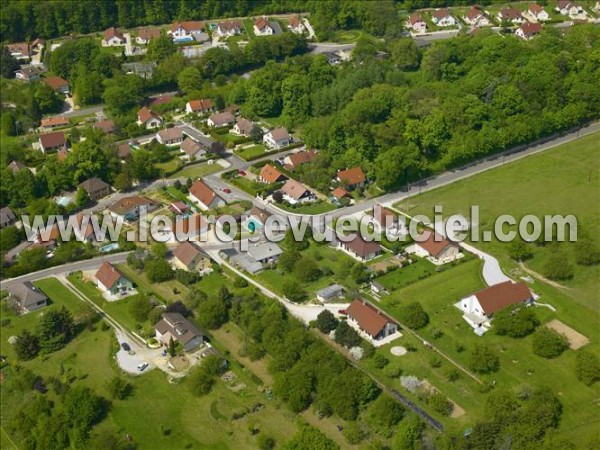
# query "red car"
(343, 312)
(241, 173)
(227, 190)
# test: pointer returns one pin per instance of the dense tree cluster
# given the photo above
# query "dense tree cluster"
(515, 322)
(548, 343)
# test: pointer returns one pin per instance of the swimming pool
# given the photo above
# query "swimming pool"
(253, 225)
(183, 39)
(109, 247)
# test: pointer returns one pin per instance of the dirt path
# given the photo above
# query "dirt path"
(541, 277)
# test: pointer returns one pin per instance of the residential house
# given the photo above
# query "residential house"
(170, 136)
(269, 174)
(145, 35)
(443, 18)
(360, 249)
(257, 217)
(95, 188)
(265, 252)
(297, 159)
(296, 26)
(19, 50)
(333, 58)
(52, 141)
(476, 17)
(87, 234)
(330, 293)
(188, 256)
(537, 12)
(123, 150)
(262, 27)
(277, 138)
(27, 74)
(48, 237)
(378, 289)
(111, 281)
(371, 320)
(568, 8)
(201, 194)
(7, 217)
(142, 70)
(478, 308)
(190, 227)
(339, 193)
(220, 119)
(179, 207)
(160, 99)
(416, 23)
(129, 207)
(202, 106)
(528, 30)
(386, 221)
(62, 154)
(192, 150)
(148, 118)
(38, 45)
(58, 84)
(186, 29)
(243, 127)
(173, 326)
(294, 193)
(113, 37)
(435, 247)
(16, 166)
(352, 178)
(107, 126)
(50, 123)
(27, 297)
(511, 15)
(229, 28)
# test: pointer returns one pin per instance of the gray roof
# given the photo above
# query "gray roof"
(335, 290)
(275, 26)
(264, 250)
(27, 294)
(6, 215)
(247, 262)
(178, 326)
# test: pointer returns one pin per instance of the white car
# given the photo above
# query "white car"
(142, 366)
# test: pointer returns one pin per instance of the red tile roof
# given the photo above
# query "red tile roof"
(380, 214)
(535, 8)
(270, 174)
(203, 105)
(261, 23)
(112, 32)
(280, 134)
(56, 82)
(108, 275)
(369, 318)
(222, 118)
(149, 33)
(203, 192)
(415, 18)
(474, 13)
(145, 114)
(440, 14)
(352, 176)
(340, 193)
(53, 140)
(361, 247)
(54, 122)
(302, 157)
(530, 29)
(293, 189)
(432, 242)
(186, 252)
(107, 126)
(188, 26)
(499, 296)
(510, 13)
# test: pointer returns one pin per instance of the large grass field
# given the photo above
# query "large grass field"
(564, 180)
(196, 170)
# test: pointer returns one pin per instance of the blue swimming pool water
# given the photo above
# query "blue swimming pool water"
(183, 39)
(109, 247)
(253, 224)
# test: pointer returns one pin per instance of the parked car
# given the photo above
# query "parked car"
(343, 312)
(227, 190)
(125, 346)
(142, 366)
(241, 173)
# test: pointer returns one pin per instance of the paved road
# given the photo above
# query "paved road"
(88, 264)
(330, 47)
(81, 112)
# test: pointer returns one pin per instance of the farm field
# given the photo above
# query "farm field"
(564, 180)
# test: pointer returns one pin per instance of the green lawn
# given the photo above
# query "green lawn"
(311, 208)
(564, 180)
(252, 152)
(196, 170)
(404, 276)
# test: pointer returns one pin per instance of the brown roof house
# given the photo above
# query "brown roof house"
(257, 218)
(269, 174)
(148, 118)
(112, 38)
(128, 208)
(202, 106)
(184, 29)
(277, 138)
(296, 26)
(435, 247)
(188, 256)
(529, 30)
(476, 17)
(16, 166)
(297, 159)
(50, 123)
(386, 221)
(96, 188)
(370, 320)
(229, 28)
(360, 249)
(443, 18)
(170, 136)
(192, 150)
(52, 141)
(58, 84)
(123, 150)
(202, 195)
(107, 126)
(510, 15)
(220, 119)
(416, 23)
(262, 27)
(352, 178)
(243, 127)
(294, 193)
(478, 308)
(537, 12)
(27, 297)
(175, 326)
(111, 281)
(145, 35)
